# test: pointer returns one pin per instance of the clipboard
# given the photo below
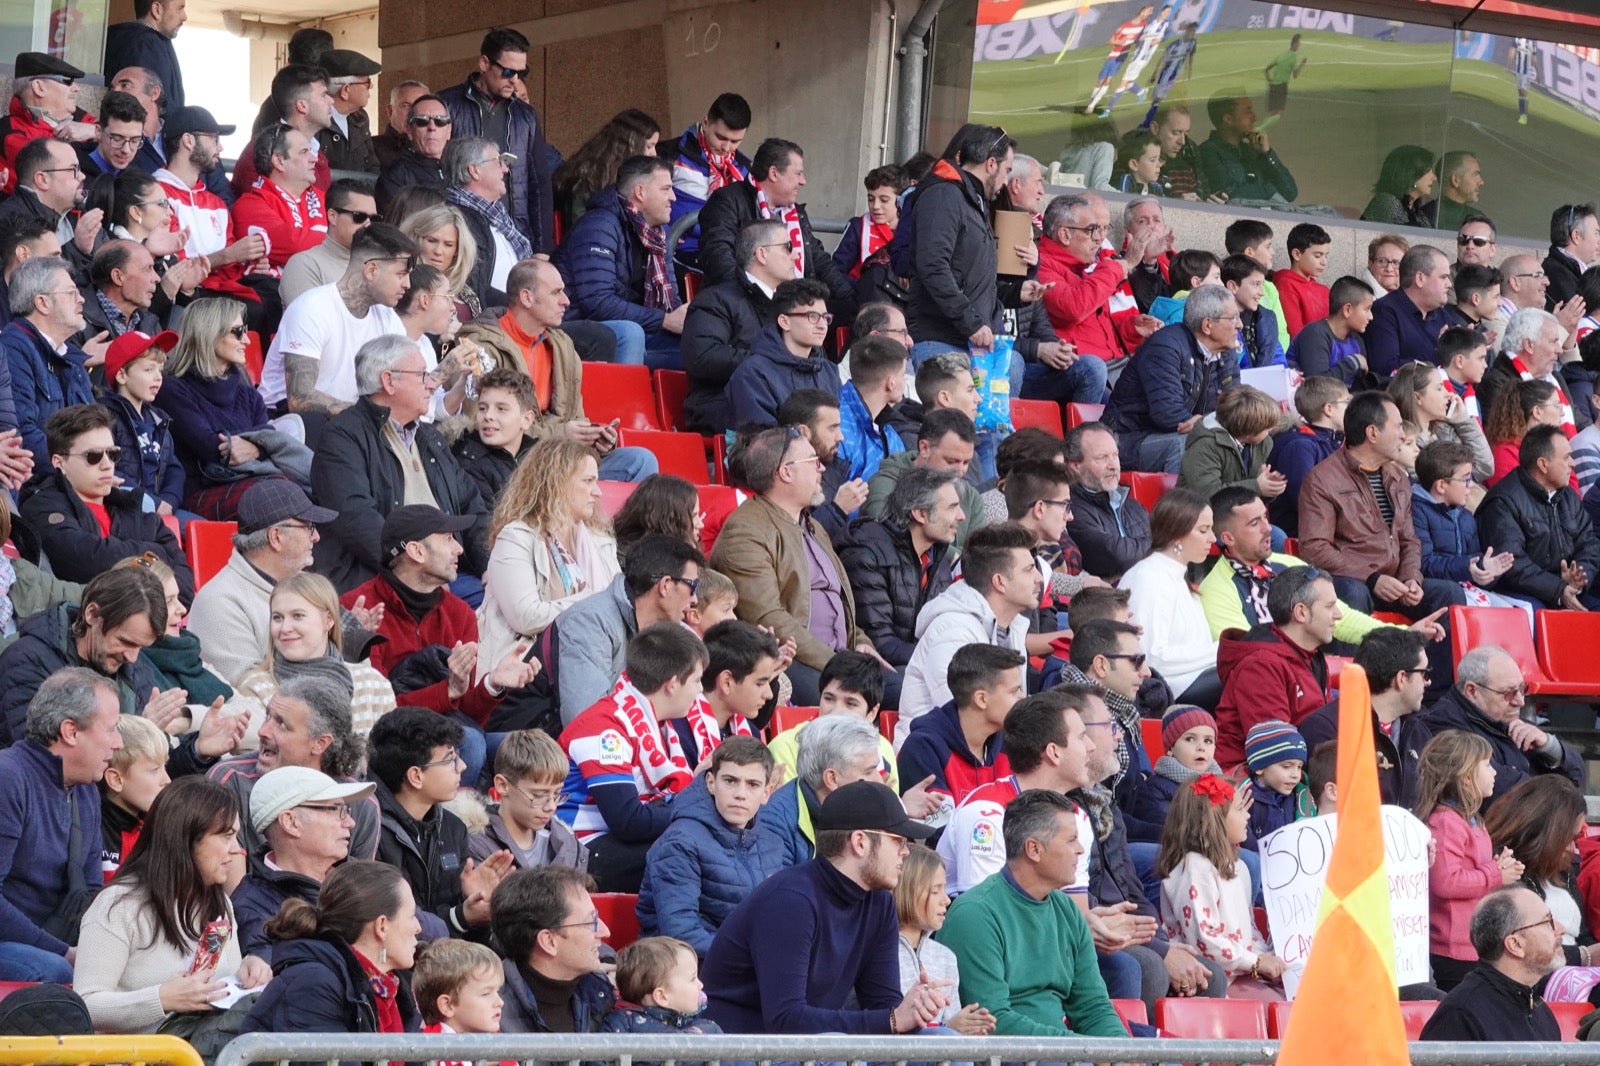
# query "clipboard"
(1011, 228)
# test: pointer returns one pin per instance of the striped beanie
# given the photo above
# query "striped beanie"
(1179, 719)
(1272, 742)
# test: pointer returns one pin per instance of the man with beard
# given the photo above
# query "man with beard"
(1518, 942)
(788, 958)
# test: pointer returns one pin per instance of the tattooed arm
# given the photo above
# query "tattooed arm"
(300, 382)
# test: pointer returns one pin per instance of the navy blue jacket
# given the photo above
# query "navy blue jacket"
(1400, 333)
(1399, 751)
(74, 544)
(42, 383)
(529, 195)
(155, 471)
(603, 261)
(1148, 813)
(1268, 351)
(936, 746)
(136, 43)
(200, 408)
(770, 375)
(592, 999)
(1113, 879)
(318, 986)
(35, 806)
(701, 868)
(1168, 381)
(1272, 810)
(258, 898)
(1293, 455)
(1449, 537)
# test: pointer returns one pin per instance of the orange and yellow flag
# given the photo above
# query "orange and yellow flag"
(1347, 998)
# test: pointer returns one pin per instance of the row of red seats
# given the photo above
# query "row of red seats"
(786, 718)
(1244, 1019)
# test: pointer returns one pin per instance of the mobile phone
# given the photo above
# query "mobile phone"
(532, 653)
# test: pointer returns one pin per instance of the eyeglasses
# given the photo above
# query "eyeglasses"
(62, 292)
(1385, 262)
(1104, 723)
(426, 375)
(241, 331)
(504, 159)
(1136, 659)
(123, 142)
(541, 799)
(507, 72)
(360, 218)
(295, 525)
(1549, 919)
(1530, 274)
(62, 78)
(807, 460)
(1465, 479)
(1095, 230)
(1516, 692)
(451, 757)
(690, 583)
(816, 318)
(96, 456)
(1476, 242)
(341, 810)
(73, 169)
(776, 244)
(592, 923)
(1065, 505)
(899, 841)
(438, 122)
(163, 203)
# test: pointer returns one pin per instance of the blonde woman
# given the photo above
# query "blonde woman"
(447, 246)
(303, 641)
(550, 545)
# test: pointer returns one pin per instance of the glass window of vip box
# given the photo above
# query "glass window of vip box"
(73, 30)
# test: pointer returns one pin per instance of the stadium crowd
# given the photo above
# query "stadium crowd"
(937, 724)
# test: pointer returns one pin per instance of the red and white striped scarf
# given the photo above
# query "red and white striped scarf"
(1469, 396)
(875, 237)
(790, 217)
(707, 734)
(657, 749)
(1569, 426)
(659, 291)
(721, 167)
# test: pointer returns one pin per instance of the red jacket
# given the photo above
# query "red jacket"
(1305, 300)
(22, 126)
(291, 225)
(451, 621)
(1265, 676)
(1079, 300)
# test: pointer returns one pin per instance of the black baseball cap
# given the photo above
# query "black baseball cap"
(194, 120)
(869, 805)
(417, 521)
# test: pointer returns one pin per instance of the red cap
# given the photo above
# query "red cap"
(131, 345)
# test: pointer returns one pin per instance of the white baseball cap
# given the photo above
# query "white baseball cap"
(288, 787)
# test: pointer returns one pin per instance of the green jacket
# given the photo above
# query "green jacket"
(34, 590)
(1212, 459)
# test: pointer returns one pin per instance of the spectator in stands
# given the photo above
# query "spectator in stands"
(476, 172)
(785, 357)
(863, 250)
(1535, 516)
(1173, 381)
(549, 932)
(1463, 355)
(1110, 527)
(1523, 283)
(307, 725)
(1180, 158)
(665, 504)
(593, 167)
(769, 546)
(830, 752)
(529, 771)
(146, 41)
(44, 98)
(487, 101)
(1384, 253)
(1188, 742)
(122, 285)
(1460, 185)
(1237, 158)
(627, 757)
(999, 931)
(1516, 949)
(853, 684)
(1446, 528)
(877, 383)
(311, 366)
(838, 924)
(1529, 351)
(1487, 700)
(350, 207)
(1476, 244)
(1036, 494)
(49, 181)
(656, 585)
(772, 192)
(724, 321)
(958, 744)
(1395, 663)
(371, 455)
(714, 852)
(921, 902)
(707, 158)
(45, 368)
(136, 776)
(48, 787)
(396, 134)
(741, 679)
(421, 161)
(946, 441)
(283, 204)
(1254, 238)
(1302, 294)
(306, 819)
(85, 527)
(141, 934)
(148, 464)
(1405, 326)
(815, 413)
(336, 963)
(1574, 245)
(347, 139)
(1477, 299)
(1175, 634)
(902, 561)
(121, 133)
(616, 261)
(504, 418)
(1424, 398)
(1400, 195)
(1083, 285)
(1106, 653)
(22, 238)
(1230, 445)
(1321, 402)
(1258, 326)
(1000, 583)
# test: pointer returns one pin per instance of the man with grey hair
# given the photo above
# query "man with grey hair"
(1518, 941)
(1487, 699)
(1406, 323)
(44, 370)
(379, 454)
(904, 558)
(396, 135)
(49, 180)
(44, 103)
(1574, 248)
(1530, 350)
(1173, 381)
(1144, 221)
(1082, 283)
(833, 751)
(476, 170)
(50, 822)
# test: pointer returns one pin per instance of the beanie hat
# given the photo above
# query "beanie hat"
(1272, 742)
(1179, 719)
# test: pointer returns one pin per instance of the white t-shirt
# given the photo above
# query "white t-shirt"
(319, 325)
(505, 257)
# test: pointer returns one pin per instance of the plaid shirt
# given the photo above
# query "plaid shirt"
(497, 215)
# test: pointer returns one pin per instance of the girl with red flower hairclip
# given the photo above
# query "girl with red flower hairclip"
(1206, 890)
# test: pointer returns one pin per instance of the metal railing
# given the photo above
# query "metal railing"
(86, 1050)
(626, 1050)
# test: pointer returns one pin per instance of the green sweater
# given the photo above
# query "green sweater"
(1028, 961)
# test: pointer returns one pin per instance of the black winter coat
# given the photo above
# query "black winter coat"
(1540, 531)
(431, 854)
(886, 574)
(954, 287)
(732, 208)
(1108, 551)
(410, 167)
(1399, 751)
(318, 986)
(722, 324)
(490, 467)
(356, 473)
(1488, 1005)
(480, 280)
(1565, 280)
(72, 538)
(1511, 764)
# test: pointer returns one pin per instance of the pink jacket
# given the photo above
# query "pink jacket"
(1462, 874)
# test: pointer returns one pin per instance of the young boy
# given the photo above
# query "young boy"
(457, 987)
(1446, 529)
(1303, 295)
(714, 852)
(507, 408)
(659, 981)
(1252, 237)
(863, 251)
(136, 776)
(786, 356)
(851, 683)
(1320, 402)
(715, 600)
(1322, 776)
(414, 756)
(1464, 355)
(1258, 326)
(148, 465)
(1334, 346)
(957, 745)
(1189, 737)
(529, 770)
(743, 663)
(877, 382)
(626, 761)
(1230, 446)
(1477, 305)
(1275, 753)
(1137, 168)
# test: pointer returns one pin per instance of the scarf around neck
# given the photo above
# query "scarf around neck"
(1568, 425)
(497, 216)
(722, 168)
(329, 668)
(659, 291)
(1257, 579)
(707, 734)
(790, 217)
(1173, 770)
(1124, 710)
(658, 752)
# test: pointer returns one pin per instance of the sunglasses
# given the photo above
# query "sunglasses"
(438, 122)
(96, 456)
(507, 72)
(360, 218)
(62, 78)
(240, 331)
(1477, 242)
(1135, 659)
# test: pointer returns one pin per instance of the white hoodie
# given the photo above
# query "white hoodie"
(956, 617)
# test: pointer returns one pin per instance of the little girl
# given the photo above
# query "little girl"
(921, 901)
(1206, 890)
(1455, 775)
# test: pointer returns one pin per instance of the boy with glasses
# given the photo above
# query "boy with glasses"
(529, 770)
(787, 356)
(121, 135)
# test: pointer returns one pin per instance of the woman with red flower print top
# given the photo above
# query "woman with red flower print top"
(1206, 891)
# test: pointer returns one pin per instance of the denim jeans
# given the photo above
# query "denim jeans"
(1082, 382)
(628, 464)
(23, 962)
(630, 341)
(635, 347)
(1157, 453)
(473, 749)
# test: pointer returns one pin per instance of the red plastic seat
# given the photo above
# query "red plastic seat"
(1150, 732)
(680, 454)
(717, 502)
(1039, 414)
(620, 912)
(786, 718)
(1278, 1019)
(1415, 1013)
(1212, 1019)
(1568, 1015)
(672, 390)
(886, 723)
(619, 392)
(1131, 1010)
(171, 522)
(1148, 488)
(1566, 639)
(692, 281)
(208, 546)
(613, 494)
(1336, 665)
(255, 356)
(1079, 413)
(1505, 627)
(8, 987)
